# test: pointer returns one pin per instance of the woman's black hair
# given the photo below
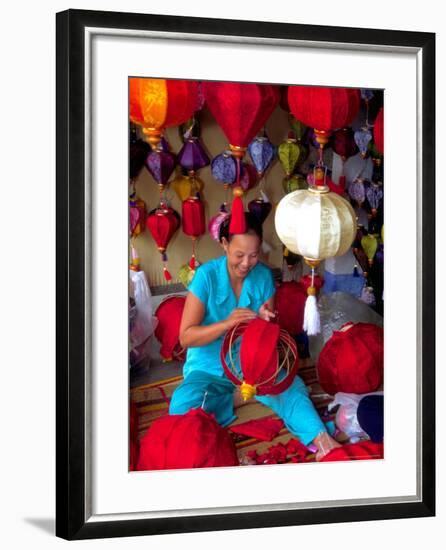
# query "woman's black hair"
(253, 227)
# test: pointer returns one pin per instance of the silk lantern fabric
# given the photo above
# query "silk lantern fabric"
(315, 225)
(352, 361)
(378, 131)
(162, 224)
(159, 103)
(240, 109)
(191, 440)
(258, 373)
(167, 332)
(193, 217)
(289, 302)
(364, 450)
(322, 108)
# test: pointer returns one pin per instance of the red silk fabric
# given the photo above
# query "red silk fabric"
(263, 429)
(173, 102)
(290, 301)
(191, 440)
(378, 131)
(240, 109)
(169, 314)
(193, 218)
(364, 450)
(258, 351)
(324, 108)
(263, 387)
(352, 361)
(162, 224)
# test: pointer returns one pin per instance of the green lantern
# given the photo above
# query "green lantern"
(294, 182)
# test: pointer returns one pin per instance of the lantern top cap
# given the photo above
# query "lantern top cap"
(319, 189)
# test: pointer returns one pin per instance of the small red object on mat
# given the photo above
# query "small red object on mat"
(264, 429)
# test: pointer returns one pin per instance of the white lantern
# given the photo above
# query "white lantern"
(317, 224)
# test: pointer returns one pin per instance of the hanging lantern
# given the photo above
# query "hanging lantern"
(319, 177)
(291, 153)
(248, 178)
(362, 140)
(374, 194)
(216, 221)
(160, 164)
(356, 190)
(298, 128)
(192, 156)
(378, 131)
(224, 168)
(369, 244)
(241, 110)
(324, 109)
(137, 211)
(193, 223)
(352, 360)
(156, 104)
(317, 224)
(187, 186)
(162, 224)
(260, 209)
(343, 143)
(268, 373)
(294, 182)
(186, 273)
(261, 151)
(138, 152)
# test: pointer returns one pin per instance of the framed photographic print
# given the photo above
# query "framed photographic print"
(165, 127)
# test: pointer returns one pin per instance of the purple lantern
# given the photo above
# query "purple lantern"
(356, 190)
(262, 152)
(192, 156)
(224, 168)
(362, 139)
(260, 209)
(161, 165)
(374, 194)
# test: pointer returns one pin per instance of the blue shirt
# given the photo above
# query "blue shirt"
(211, 285)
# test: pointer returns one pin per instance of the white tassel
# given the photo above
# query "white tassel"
(312, 319)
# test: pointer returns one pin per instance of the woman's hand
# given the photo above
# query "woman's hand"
(239, 315)
(265, 312)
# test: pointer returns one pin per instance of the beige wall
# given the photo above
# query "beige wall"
(179, 250)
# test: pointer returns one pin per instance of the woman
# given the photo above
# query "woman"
(225, 291)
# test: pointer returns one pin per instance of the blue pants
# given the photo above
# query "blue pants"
(215, 395)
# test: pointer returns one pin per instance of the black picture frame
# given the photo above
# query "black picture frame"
(71, 517)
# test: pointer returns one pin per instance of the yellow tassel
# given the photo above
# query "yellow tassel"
(247, 391)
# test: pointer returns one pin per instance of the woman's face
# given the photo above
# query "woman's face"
(242, 253)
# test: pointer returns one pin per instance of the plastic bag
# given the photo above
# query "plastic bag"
(346, 416)
(141, 319)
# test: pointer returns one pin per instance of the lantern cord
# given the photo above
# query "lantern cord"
(237, 177)
(367, 113)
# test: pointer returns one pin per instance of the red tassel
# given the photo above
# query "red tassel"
(192, 262)
(238, 222)
(167, 275)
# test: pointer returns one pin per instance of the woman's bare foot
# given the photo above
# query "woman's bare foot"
(325, 443)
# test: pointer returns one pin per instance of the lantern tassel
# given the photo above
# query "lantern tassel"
(312, 319)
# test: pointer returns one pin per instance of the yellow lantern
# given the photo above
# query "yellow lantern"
(187, 186)
(317, 224)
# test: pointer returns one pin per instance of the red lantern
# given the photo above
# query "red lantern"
(194, 223)
(258, 373)
(162, 224)
(241, 110)
(290, 301)
(378, 131)
(167, 331)
(352, 360)
(191, 440)
(324, 109)
(364, 450)
(156, 104)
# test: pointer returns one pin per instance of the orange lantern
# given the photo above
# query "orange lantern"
(157, 103)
